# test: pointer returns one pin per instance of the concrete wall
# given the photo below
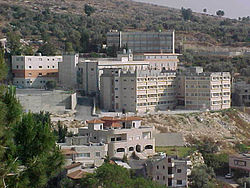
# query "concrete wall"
(41, 100)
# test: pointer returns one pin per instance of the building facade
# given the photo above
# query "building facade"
(124, 136)
(142, 42)
(241, 94)
(169, 171)
(204, 90)
(34, 71)
(240, 161)
(68, 71)
(137, 91)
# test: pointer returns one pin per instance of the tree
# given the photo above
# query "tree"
(220, 13)
(84, 40)
(69, 47)
(50, 85)
(202, 177)
(61, 132)
(37, 150)
(47, 49)
(13, 43)
(186, 13)
(3, 66)
(27, 50)
(88, 9)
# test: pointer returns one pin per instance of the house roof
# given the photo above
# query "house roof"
(73, 165)
(68, 151)
(107, 118)
(95, 121)
(133, 118)
(115, 124)
(78, 174)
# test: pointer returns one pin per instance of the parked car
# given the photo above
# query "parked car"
(229, 176)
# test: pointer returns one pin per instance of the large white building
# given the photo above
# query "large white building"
(34, 71)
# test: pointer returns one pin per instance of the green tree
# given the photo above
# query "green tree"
(84, 41)
(50, 85)
(202, 177)
(69, 47)
(186, 13)
(47, 49)
(37, 150)
(27, 50)
(61, 132)
(13, 43)
(3, 66)
(88, 9)
(220, 13)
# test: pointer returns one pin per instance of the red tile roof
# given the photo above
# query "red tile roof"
(116, 125)
(78, 174)
(73, 165)
(95, 121)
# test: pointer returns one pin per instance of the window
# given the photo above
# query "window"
(133, 124)
(179, 182)
(148, 147)
(163, 167)
(163, 177)
(17, 66)
(120, 150)
(158, 178)
(178, 170)
(30, 67)
(157, 167)
(53, 66)
(112, 139)
(40, 74)
(48, 67)
(118, 138)
(40, 67)
(30, 73)
(131, 148)
(95, 137)
(116, 97)
(83, 155)
(97, 154)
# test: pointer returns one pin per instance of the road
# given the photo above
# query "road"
(228, 181)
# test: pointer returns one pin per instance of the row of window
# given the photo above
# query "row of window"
(40, 67)
(155, 103)
(132, 148)
(156, 87)
(40, 59)
(87, 155)
(154, 79)
(155, 95)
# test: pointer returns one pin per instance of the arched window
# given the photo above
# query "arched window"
(148, 147)
(120, 150)
(138, 148)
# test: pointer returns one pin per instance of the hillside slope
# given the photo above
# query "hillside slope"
(64, 20)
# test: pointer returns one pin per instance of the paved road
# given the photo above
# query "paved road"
(83, 108)
(228, 181)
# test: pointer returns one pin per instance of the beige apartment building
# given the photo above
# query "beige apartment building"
(34, 71)
(137, 91)
(124, 136)
(204, 90)
(168, 171)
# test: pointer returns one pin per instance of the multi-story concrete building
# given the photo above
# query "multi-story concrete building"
(68, 71)
(240, 161)
(168, 171)
(34, 71)
(79, 149)
(137, 91)
(142, 42)
(204, 90)
(241, 94)
(124, 136)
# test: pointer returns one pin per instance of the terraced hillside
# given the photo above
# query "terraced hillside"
(65, 20)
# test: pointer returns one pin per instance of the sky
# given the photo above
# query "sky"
(232, 8)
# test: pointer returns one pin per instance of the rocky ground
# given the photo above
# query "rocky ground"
(224, 126)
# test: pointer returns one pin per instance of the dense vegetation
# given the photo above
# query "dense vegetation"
(29, 156)
(112, 176)
(84, 27)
